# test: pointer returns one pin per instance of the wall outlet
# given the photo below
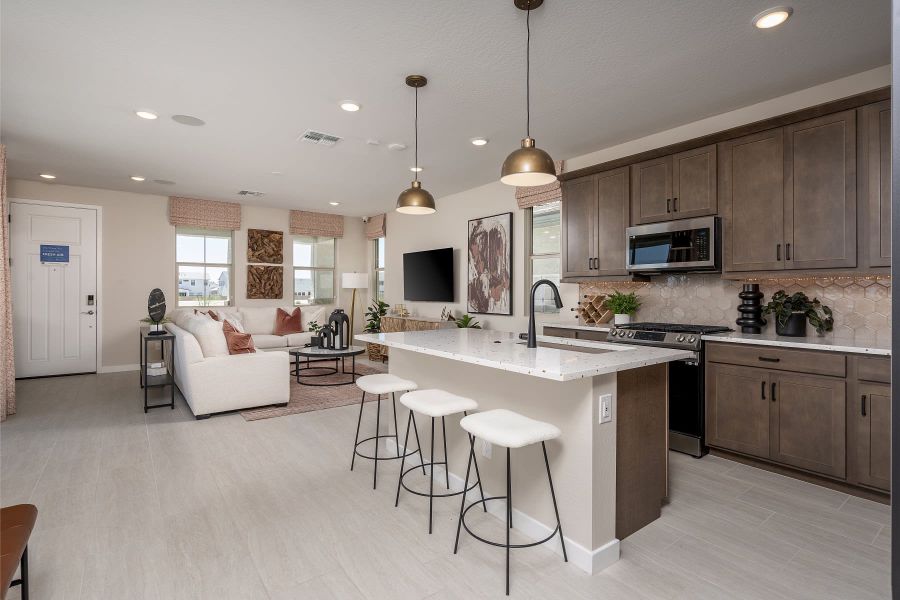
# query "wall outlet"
(606, 408)
(487, 449)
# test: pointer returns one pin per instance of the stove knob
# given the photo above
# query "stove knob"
(691, 339)
(680, 338)
(631, 334)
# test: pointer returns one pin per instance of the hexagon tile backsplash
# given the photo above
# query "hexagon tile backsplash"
(862, 307)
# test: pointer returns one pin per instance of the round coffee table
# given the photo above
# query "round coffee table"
(315, 354)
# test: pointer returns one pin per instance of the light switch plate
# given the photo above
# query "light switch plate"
(606, 408)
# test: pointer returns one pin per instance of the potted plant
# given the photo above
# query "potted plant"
(374, 313)
(623, 306)
(792, 312)
(467, 322)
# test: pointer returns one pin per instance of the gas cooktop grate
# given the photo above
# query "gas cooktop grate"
(676, 328)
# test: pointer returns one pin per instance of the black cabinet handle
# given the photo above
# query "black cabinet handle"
(773, 391)
(769, 359)
(675, 204)
(762, 389)
(597, 264)
(863, 404)
(778, 252)
(787, 252)
(668, 205)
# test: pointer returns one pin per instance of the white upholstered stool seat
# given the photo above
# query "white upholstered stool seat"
(384, 383)
(436, 403)
(508, 429)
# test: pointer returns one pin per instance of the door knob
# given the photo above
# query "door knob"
(90, 312)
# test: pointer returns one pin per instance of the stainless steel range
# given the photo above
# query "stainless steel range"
(686, 377)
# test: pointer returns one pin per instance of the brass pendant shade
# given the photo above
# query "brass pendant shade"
(529, 165)
(415, 200)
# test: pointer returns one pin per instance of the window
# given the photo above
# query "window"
(542, 262)
(379, 268)
(313, 270)
(204, 267)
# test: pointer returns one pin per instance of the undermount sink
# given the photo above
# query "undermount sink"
(570, 347)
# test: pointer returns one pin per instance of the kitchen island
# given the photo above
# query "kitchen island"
(610, 477)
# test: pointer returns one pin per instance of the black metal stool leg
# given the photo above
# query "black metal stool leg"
(562, 540)
(397, 429)
(358, 422)
(377, 433)
(462, 502)
(477, 472)
(418, 443)
(446, 461)
(403, 460)
(508, 515)
(431, 479)
(23, 574)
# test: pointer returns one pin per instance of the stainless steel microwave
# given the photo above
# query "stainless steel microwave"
(686, 245)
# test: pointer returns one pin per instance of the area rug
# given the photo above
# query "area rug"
(306, 398)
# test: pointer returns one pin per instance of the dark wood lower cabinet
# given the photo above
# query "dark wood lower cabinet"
(809, 422)
(737, 409)
(873, 435)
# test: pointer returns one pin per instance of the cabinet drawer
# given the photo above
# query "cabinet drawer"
(779, 359)
(873, 369)
(559, 332)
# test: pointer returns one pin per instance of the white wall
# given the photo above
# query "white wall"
(448, 226)
(139, 254)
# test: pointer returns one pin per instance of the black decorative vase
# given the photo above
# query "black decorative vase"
(795, 326)
(339, 323)
(750, 308)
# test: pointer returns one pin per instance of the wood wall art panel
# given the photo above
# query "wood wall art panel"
(265, 246)
(265, 283)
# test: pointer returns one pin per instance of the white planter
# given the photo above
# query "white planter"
(623, 319)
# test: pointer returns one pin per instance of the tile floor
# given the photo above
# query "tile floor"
(162, 506)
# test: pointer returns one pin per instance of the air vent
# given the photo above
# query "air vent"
(251, 193)
(317, 137)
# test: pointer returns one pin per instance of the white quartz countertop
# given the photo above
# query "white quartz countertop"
(503, 350)
(811, 342)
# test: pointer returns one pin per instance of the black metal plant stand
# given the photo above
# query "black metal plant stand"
(157, 381)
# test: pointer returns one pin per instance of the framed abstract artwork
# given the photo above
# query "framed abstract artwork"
(489, 279)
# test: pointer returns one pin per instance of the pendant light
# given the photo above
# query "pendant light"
(415, 200)
(529, 165)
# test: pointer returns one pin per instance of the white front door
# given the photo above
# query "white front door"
(54, 288)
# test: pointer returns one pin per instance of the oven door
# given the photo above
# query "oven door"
(687, 245)
(687, 407)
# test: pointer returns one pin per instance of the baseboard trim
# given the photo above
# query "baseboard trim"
(119, 368)
(589, 561)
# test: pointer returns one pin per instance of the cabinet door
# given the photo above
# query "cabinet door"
(579, 226)
(873, 435)
(651, 191)
(875, 185)
(820, 193)
(694, 189)
(612, 219)
(737, 409)
(808, 422)
(751, 196)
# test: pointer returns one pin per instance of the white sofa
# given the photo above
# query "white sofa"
(213, 381)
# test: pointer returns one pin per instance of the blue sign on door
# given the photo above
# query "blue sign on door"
(54, 253)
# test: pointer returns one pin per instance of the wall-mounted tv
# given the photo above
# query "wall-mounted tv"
(428, 276)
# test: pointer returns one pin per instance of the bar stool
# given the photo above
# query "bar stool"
(380, 384)
(434, 404)
(508, 429)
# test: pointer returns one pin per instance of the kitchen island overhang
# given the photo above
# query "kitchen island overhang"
(561, 382)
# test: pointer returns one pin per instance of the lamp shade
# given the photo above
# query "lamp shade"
(415, 201)
(354, 281)
(528, 166)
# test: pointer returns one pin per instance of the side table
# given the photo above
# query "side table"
(155, 381)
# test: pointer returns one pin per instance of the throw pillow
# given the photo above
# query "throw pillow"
(208, 333)
(238, 343)
(286, 324)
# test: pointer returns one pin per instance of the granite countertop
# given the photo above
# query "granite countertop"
(810, 342)
(503, 350)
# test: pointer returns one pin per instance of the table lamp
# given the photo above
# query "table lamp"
(354, 281)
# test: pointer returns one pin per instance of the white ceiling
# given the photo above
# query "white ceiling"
(260, 73)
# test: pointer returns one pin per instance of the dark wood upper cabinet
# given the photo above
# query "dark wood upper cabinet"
(579, 226)
(651, 191)
(808, 426)
(737, 409)
(751, 192)
(694, 192)
(820, 193)
(873, 434)
(594, 218)
(875, 185)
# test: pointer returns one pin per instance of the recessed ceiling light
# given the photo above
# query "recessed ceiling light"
(416, 169)
(479, 141)
(48, 176)
(276, 172)
(350, 106)
(188, 120)
(334, 203)
(146, 114)
(397, 147)
(772, 17)
(137, 178)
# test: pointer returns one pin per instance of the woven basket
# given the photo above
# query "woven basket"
(376, 352)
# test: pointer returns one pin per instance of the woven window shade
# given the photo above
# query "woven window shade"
(526, 197)
(317, 224)
(375, 228)
(204, 214)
